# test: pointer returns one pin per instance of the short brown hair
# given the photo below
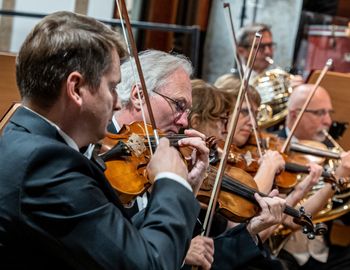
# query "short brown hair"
(208, 101)
(59, 44)
(246, 34)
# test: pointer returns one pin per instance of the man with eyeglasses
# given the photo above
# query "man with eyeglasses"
(264, 57)
(316, 254)
(168, 83)
(245, 39)
(317, 116)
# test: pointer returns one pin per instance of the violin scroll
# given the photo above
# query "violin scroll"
(309, 228)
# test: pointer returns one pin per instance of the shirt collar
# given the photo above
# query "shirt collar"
(71, 143)
(115, 123)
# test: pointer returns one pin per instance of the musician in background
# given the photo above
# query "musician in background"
(317, 117)
(209, 101)
(264, 57)
(245, 38)
(57, 210)
(168, 83)
(300, 253)
(210, 110)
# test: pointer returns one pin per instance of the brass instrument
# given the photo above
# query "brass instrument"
(274, 88)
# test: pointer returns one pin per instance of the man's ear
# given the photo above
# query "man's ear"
(134, 97)
(74, 87)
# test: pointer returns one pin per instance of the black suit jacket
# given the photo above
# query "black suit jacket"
(57, 210)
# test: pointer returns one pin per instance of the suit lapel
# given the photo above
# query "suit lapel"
(36, 125)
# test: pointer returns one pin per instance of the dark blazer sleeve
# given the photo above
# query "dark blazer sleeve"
(64, 206)
(235, 248)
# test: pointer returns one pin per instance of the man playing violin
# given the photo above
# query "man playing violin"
(317, 117)
(57, 209)
(168, 83)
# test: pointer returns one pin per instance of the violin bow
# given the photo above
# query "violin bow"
(240, 72)
(307, 102)
(231, 129)
(132, 44)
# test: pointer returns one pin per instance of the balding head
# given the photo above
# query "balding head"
(317, 114)
(301, 93)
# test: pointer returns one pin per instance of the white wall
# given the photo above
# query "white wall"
(282, 15)
(101, 8)
(22, 26)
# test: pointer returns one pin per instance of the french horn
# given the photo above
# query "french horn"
(274, 88)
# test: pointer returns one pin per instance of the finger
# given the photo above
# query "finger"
(273, 193)
(196, 142)
(164, 142)
(261, 201)
(194, 133)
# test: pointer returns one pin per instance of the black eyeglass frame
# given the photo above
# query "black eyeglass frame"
(180, 105)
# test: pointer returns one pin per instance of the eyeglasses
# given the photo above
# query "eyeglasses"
(320, 112)
(263, 46)
(245, 112)
(180, 105)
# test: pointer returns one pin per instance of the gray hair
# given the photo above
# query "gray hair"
(245, 34)
(157, 66)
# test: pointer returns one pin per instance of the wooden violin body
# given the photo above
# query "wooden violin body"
(237, 203)
(232, 206)
(126, 156)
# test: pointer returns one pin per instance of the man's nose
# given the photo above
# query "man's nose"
(327, 120)
(182, 121)
(268, 50)
(116, 102)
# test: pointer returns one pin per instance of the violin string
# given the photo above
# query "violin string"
(134, 75)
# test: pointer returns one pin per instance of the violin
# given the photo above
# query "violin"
(127, 154)
(236, 201)
(247, 159)
(295, 162)
(240, 158)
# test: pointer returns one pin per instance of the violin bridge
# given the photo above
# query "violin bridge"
(136, 144)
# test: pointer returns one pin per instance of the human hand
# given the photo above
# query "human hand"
(201, 252)
(273, 160)
(314, 175)
(199, 157)
(271, 212)
(343, 169)
(166, 159)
